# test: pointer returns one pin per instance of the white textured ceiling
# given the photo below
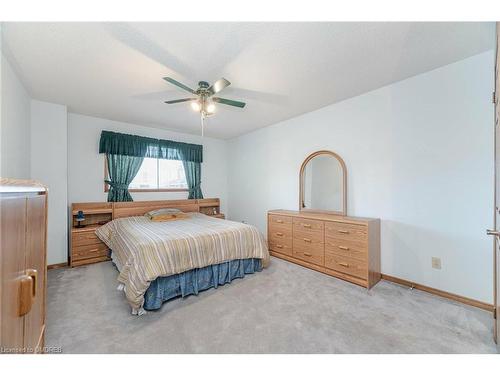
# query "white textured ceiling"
(115, 70)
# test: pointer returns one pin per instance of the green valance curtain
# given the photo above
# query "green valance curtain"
(133, 145)
(126, 152)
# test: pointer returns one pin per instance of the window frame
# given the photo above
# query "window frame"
(106, 185)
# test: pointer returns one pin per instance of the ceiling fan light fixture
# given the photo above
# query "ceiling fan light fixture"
(210, 107)
(204, 102)
(196, 106)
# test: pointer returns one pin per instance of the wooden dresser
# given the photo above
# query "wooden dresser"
(341, 246)
(23, 265)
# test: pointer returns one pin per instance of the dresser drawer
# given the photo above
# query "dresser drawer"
(312, 253)
(353, 232)
(89, 251)
(307, 238)
(277, 233)
(281, 246)
(342, 247)
(308, 226)
(279, 221)
(350, 266)
(85, 238)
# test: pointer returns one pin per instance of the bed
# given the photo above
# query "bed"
(158, 261)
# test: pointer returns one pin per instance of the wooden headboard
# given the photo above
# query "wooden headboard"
(207, 206)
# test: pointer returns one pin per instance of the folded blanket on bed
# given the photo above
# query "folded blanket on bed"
(146, 250)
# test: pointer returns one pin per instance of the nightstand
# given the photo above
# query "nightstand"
(86, 247)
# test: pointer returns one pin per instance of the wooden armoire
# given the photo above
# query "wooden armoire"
(23, 267)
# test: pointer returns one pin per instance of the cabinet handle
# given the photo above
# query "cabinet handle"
(307, 239)
(279, 234)
(93, 251)
(343, 264)
(279, 246)
(343, 231)
(343, 248)
(279, 221)
(27, 291)
(306, 225)
(33, 274)
(308, 254)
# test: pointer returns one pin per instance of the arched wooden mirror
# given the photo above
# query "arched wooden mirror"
(323, 183)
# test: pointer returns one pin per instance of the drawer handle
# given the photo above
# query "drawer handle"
(306, 225)
(93, 250)
(307, 239)
(344, 264)
(279, 246)
(279, 234)
(343, 248)
(343, 231)
(308, 254)
(279, 221)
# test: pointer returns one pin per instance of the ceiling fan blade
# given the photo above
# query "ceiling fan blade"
(234, 103)
(178, 84)
(218, 85)
(180, 100)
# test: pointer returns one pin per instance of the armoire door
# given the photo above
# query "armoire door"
(496, 256)
(34, 323)
(13, 224)
(496, 218)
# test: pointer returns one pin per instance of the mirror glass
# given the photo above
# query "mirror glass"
(323, 184)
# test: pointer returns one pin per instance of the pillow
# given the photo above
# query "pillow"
(172, 217)
(165, 214)
(163, 211)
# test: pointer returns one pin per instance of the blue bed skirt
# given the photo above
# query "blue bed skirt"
(194, 281)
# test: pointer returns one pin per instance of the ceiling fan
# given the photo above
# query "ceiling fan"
(204, 102)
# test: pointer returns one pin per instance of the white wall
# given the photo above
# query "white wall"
(419, 155)
(49, 164)
(15, 129)
(86, 165)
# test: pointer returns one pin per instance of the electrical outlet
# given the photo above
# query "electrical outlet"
(436, 263)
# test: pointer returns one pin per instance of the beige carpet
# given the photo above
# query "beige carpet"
(283, 309)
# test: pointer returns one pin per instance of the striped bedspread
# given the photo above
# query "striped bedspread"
(145, 250)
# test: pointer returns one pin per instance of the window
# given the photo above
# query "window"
(158, 175)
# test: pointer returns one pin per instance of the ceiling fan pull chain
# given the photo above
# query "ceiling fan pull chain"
(202, 125)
